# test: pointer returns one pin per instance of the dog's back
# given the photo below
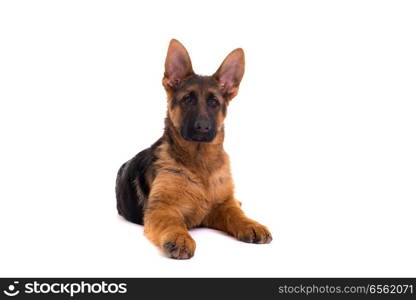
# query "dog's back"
(132, 188)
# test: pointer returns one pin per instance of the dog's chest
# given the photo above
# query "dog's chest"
(214, 186)
(208, 192)
(219, 186)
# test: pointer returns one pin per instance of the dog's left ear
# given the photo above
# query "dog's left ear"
(230, 73)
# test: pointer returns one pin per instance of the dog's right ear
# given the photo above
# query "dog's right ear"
(178, 65)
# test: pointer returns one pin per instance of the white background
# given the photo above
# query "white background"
(322, 136)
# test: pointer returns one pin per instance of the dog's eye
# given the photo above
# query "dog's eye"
(212, 101)
(188, 99)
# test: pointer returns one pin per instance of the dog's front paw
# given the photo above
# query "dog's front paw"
(179, 246)
(253, 232)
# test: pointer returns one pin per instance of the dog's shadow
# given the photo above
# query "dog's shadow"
(195, 233)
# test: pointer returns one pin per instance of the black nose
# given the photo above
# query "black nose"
(202, 126)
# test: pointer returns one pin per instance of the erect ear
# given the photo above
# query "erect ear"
(177, 65)
(231, 72)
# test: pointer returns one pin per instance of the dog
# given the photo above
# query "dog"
(183, 180)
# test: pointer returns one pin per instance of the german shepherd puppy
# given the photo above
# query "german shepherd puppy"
(183, 180)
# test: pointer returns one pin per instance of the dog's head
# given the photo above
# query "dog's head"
(197, 105)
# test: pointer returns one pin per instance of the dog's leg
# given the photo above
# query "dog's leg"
(229, 217)
(165, 227)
